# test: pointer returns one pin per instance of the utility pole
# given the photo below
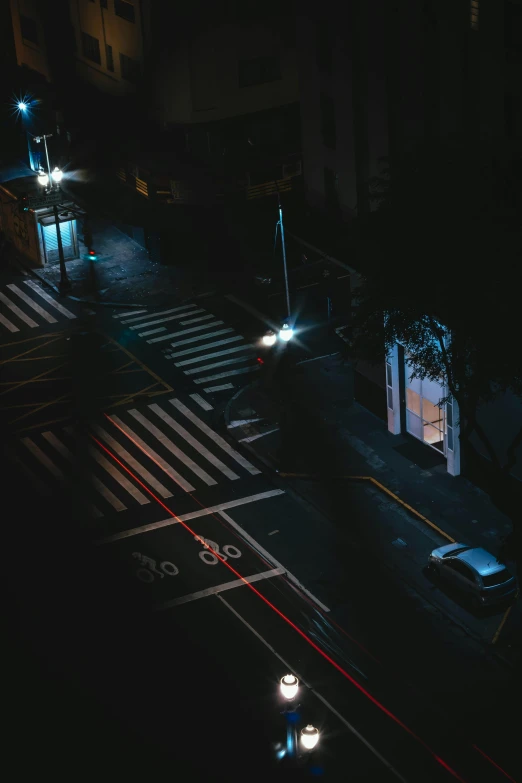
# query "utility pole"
(280, 225)
(65, 283)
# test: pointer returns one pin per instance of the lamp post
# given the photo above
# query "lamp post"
(280, 227)
(309, 736)
(44, 138)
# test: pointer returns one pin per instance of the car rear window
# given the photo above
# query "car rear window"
(497, 578)
(455, 552)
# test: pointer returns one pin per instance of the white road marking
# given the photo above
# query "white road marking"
(241, 422)
(316, 358)
(222, 363)
(193, 442)
(202, 337)
(258, 435)
(152, 331)
(185, 599)
(185, 331)
(290, 668)
(167, 444)
(227, 351)
(118, 476)
(215, 437)
(129, 312)
(153, 315)
(219, 388)
(174, 475)
(271, 559)
(108, 495)
(204, 347)
(129, 459)
(253, 368)
(62, 449)
(8, 324)
(202, 402)
(57, 306)
(194, 320)
(202, 512)
(162, 320)
(36, 307)
(42, 457)
(16, 310)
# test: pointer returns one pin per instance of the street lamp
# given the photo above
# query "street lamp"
(22, 106)
(280, 226)
(43, 178)
(57, 175)
(289, 685)
(309, 737)
(286, 333)
(269, 338)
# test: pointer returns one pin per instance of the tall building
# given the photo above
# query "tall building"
(110, 43)
(378, 76)
(29, 40)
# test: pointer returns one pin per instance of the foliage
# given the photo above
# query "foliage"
(446, 283)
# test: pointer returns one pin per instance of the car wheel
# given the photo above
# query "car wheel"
(476, 603)
(433, 571)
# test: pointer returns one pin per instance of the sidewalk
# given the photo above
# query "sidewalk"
(350, 441)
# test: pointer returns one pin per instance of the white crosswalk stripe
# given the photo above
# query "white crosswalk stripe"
(132, 452)
(29, 306)
(201, 325)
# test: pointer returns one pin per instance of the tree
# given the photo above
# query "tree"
(445, 286)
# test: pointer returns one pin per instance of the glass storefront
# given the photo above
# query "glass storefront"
(425, 419)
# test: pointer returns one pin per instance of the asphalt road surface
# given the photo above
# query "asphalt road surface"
(153, 610)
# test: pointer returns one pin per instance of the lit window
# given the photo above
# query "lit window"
(474, 14)
(91, 48)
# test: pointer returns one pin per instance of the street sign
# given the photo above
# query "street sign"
(48, 200)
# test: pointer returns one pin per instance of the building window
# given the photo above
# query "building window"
(124, 9)
(258, 71)
(109, 58)
(103, 4)
(328, 121)
(29, 29)
(130, 69)
(324, 47)
(91, 48)
(474, 14)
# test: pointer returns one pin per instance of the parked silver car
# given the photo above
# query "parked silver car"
(475, 572)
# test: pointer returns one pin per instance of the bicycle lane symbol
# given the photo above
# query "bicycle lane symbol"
(148, 571)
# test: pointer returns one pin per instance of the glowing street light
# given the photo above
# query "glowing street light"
(43, 178)
(309, 737)
(289, 686)
(57, 175)
(22, 106)
(269, 338)
(286, 333)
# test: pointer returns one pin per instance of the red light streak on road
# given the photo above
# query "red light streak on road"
(286, 619)
(494, 763)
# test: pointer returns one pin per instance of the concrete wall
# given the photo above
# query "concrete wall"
(29, 53)
(123, 36)
(197, 80)
(20, 230)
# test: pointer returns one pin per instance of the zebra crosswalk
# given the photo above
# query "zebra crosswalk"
(27, 305)
(213, 355)
(166, 447)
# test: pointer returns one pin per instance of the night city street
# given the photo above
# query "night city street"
(261, 424)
